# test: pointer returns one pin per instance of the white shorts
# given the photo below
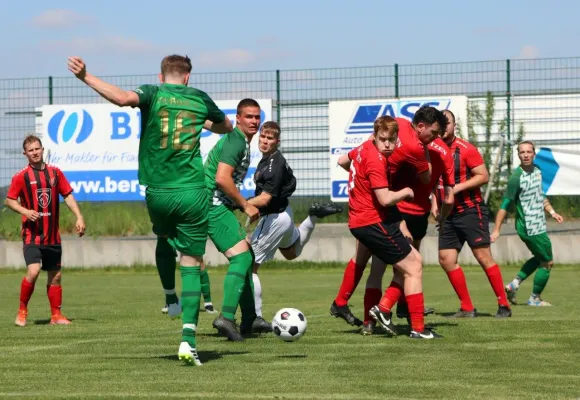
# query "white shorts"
(274, 231)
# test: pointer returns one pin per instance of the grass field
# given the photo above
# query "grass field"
(121, 346)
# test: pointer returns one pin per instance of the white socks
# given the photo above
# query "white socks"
(305, 229)
(257, 294)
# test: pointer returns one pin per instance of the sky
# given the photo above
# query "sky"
(127, 37)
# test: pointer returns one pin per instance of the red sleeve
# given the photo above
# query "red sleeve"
(416, 157)
(376, 170)
(448, 169)
(63, 186)
(16, 187)
(472, 157)
(352, 153)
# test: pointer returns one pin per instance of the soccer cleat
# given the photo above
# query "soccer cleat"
(503, 312)
(536, 301)
(188, 354)
(324, 210)
(59, 319)
(511, 291)
(209, 308)
(227, 328)
(165, 309)
(21, 317)
(260, 325)
(426, 334)
(174, 310)
(464, 314)
(385, 319)
(344, 313)
(369, 328)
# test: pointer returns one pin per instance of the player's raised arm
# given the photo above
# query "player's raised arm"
(344, 162)
(106, 90)
(223, 127)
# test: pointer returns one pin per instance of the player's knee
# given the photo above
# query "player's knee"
(32, 273)
(54, 278)
(190, 261)
(547, 264)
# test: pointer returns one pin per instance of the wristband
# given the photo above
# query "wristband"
(552, 212)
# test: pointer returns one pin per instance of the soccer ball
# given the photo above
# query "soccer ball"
(289, 324)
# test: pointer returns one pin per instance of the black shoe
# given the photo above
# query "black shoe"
(260, 325)
(403, 312)
(368, 328)
(227, 328)
(426, 334)
(344, 313)
(324, 210)
(464, 314)
(503, 312)
(385, 319)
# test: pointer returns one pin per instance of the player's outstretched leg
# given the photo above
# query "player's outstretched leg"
(307, 226)
(528, 269)
(206, 290)
(190, 300)
(165, 261)
(540, 281)
(493, 273)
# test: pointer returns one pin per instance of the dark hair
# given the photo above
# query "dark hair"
(175, 65)
(450, 113)
(246, 103)
(430, 115)
(527, 142)
(29, 140)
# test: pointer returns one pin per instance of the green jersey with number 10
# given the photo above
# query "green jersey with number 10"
(172, 117)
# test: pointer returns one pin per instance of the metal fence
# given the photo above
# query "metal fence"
(519, 89)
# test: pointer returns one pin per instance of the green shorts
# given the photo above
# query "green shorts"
(225, 231)
(181, 216)
(540, 246)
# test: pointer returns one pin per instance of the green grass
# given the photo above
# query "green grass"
(129, 219)
(121, 346)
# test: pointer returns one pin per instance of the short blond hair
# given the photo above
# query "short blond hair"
(271, 127)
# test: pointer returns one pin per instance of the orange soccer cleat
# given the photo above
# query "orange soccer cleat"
(21, 317)
(59, 319)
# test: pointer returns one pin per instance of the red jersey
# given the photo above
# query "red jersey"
(38, 190)
(441, 168)
(466, 157)
(408, 160)
(368, 171)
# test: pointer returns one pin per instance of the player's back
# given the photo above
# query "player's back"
(169, 151)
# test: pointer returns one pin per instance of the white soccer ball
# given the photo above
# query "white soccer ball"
(289, 324)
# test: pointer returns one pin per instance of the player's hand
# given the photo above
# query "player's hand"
(409, 193)
(558, 218)
(494, 235)
(252, 212)
(77, 66)
(405, 231)
(31, 215)
(440, 222)
(81, 227)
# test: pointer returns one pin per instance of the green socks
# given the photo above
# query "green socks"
(540, 280)
(528, 268)
(205, 286)
(235, 283)
(165, 262)
(190, 299)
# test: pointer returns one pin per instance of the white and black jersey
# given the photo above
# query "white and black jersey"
(274, 176)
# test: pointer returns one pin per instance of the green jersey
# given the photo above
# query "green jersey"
(172, 117)
(525, 189)
(232, 149)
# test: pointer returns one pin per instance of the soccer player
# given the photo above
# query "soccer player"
(171, 167)
(38, 187)
(524, 188)
(468, 222)
(408, 165)
(368, 221)
(275, 183)
(205, 291)
(225, 168)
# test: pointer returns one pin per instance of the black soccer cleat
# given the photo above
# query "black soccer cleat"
(260, 325)
(503, 312)
(344, 313)
(425, 335)
(385, 319)
(403, 312)
(324, 210)
(227, 328)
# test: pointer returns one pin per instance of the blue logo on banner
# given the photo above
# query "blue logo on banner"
(548, 165)
(340, 189)
(69, 129)
(365, 115)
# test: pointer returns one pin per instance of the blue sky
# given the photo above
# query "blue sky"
(127, 37)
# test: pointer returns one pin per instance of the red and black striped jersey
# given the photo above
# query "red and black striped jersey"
(38, 189)
(465, 157)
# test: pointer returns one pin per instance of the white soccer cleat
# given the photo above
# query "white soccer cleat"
(536, 301)
(188, 354)
(209, 308)
(165, 309)
(174, 310)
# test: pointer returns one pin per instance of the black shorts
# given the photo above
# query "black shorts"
(471, 226)
(384, 240)
(49, 256)
(417, 224)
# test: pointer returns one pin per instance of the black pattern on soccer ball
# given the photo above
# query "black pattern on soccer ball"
(277, 331)
(293, 330)
(301, 316)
